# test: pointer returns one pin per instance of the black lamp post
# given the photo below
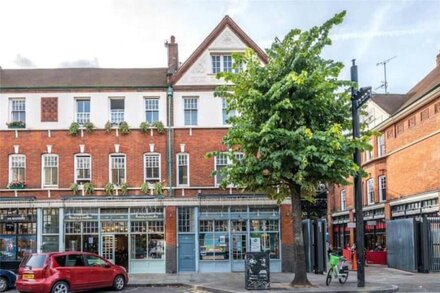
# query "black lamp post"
(358, 98)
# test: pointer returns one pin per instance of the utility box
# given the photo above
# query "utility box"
(314, 232)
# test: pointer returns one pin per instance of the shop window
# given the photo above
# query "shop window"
(147, 240)
(382, 188)
(50, 170)
(117, 169)
(370, 191)
(214, 240)
(343, 200)
(151, 110)
(81, 236)
(152, 167)
(266, 233)
(117, 110)
(50, 230)
(83, 168)
(424, 115)
(17, 169)
(182, 170)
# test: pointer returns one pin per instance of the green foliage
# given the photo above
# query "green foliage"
(74, 129)
(124, 128)
(124, 188)
(145, 187)
(88, 188)
(144, 126)
(16, 124)
(159, 126)
(89, 126)
(158, 188)
(109, 188)
(301, 138)
(108, 127)
(74, 188)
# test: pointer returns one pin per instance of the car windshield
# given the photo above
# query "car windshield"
(36, 261)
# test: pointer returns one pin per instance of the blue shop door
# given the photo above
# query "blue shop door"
(187, 255)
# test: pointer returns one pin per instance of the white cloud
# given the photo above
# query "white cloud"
(23, 62)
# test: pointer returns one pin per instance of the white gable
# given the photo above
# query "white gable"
(375, 114)
(200, 73)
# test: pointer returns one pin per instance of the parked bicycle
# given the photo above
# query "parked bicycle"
(338, 269)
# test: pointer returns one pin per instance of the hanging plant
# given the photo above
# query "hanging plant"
(124, 128)
(74, 129)
(159, 126)
(89, 126)
(109, 188)
(74, 187)
(158, 188)
(144, 126)
(145, 187)
(88, 188)
(108, 127)
(124, 188)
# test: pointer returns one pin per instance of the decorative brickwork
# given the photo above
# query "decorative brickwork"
(49, 109)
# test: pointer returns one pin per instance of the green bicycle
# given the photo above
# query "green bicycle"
(338, 269)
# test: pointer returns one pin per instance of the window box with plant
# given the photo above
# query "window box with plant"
(159, 126)
(88, 188)
(74, 187)
(16, 185)
(109, 188)
(16, 124)
(74, 129)
(124, 128)
(89, 127)
(124, 188)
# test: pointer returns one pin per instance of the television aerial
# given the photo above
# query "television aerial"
(384, 82)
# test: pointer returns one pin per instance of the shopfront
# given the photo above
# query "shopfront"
(130, 237)
(18, 235)
(223, 235)
(375, 229)
(341, 232)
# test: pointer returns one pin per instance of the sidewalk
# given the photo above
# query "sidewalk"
(234, 282)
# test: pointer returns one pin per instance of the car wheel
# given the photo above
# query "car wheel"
(3, 284)
(118, 283)
(60, 287)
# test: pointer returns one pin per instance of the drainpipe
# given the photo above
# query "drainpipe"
(170, 140)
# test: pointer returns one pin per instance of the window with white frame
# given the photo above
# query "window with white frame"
(343, 200)
(152, 167)
(50, 170)
(83, 169)
(227, 63)
(117, 110)
(221, 161)
(190, 110)
(381, 145)
(382, 188)
(17, 168)
(216, 63)
(183, 169)
(117, 169)
(151, 110)
(226, 114)
(370, 191)
(369, 153)
(18, 110)
(82, 110)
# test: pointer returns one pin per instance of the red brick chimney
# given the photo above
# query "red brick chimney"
(173, 56)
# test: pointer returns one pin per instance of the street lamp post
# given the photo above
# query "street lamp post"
(358, 98)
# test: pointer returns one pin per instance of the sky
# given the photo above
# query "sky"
(132, 33)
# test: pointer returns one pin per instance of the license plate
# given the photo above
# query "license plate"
(28, 276)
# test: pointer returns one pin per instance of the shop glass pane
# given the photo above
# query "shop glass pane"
(8, 247)
(139, 246)
(50, 221)
(73, 242)
(269, 242)
(50, 243)
(238, 247)
(90, 243)
(26, 245)
(156, 246)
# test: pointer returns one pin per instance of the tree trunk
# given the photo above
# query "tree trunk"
(298, 245)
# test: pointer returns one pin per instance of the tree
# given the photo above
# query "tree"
(293, 124)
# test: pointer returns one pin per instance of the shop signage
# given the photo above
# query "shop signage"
(371, 223)
(15, 218)
(79, 217)
(255, 245)
(146, 216)
(257, 270)
(351, 225)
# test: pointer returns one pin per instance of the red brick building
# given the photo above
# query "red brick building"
(113, 161)
(403, 169)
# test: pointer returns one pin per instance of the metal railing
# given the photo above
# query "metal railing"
(82, 117)
(116, 116)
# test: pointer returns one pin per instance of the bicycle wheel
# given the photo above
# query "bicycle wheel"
(343, 279)
(329, 277)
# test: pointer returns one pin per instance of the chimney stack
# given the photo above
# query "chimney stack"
(173, 56)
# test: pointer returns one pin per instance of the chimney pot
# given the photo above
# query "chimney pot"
(173, 39)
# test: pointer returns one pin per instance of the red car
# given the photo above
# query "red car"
(62, 272)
